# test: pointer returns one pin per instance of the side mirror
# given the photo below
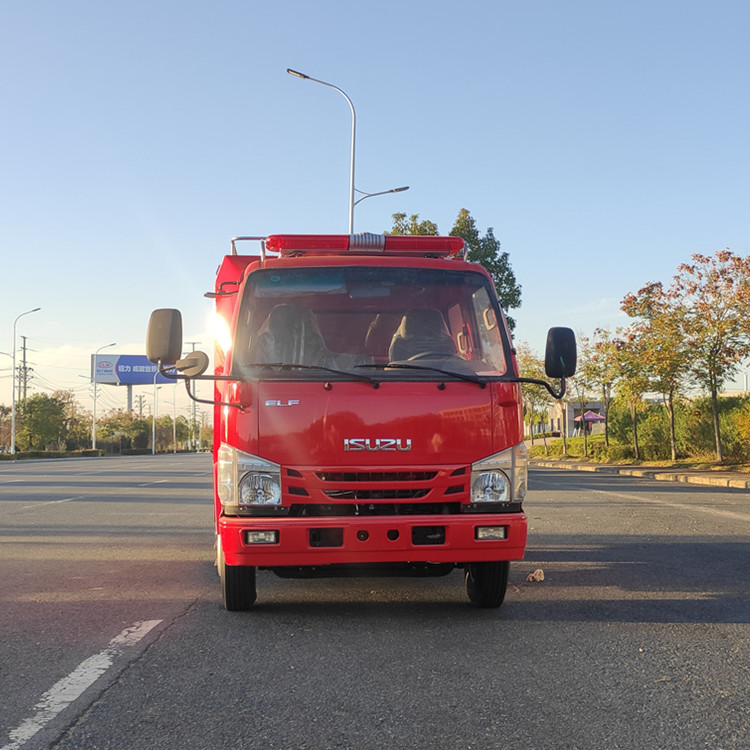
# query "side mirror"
(561, 354)
(164, 336)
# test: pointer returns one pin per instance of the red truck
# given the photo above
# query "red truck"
(368, 417)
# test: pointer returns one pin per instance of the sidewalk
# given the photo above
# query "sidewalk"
(706, 477)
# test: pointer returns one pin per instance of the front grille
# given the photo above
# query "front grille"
(376, 476)
(395, 491)
(374, 509)
(376, 494)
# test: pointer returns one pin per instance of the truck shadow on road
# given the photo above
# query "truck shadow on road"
(636, 581)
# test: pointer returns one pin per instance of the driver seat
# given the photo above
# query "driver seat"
(421, 331)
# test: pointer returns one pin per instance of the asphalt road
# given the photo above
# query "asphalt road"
(114, 636)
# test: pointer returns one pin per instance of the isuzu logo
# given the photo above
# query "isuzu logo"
(276, 402)
(377, 444)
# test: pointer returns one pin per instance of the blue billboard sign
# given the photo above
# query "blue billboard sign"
(126, 369)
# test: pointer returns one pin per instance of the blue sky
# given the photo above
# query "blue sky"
(604, 142)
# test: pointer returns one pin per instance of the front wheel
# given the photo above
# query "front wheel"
(486, 583)
(237, 585)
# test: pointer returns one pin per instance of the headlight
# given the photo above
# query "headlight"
(501, 478)
(490, 487)
(245, 480)
(260, 489)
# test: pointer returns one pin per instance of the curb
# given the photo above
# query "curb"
(726, 480)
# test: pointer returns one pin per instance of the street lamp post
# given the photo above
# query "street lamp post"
(93, 377)
(153, 413)
(354, 131)
(13, 397)
(352, 189)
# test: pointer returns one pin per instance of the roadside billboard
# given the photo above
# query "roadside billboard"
(125, 369)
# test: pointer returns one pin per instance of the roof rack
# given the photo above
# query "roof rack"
(291, 245)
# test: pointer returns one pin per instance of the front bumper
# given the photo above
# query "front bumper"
(372, 539)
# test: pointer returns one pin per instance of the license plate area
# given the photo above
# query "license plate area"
(327, 537)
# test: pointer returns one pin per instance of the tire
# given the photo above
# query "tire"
(486, 583)
(237, 585)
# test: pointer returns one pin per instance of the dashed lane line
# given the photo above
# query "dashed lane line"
(69, 688)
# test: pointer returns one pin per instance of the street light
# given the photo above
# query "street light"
(382, 192)
(153, 413)
(93, 377)
(354, 130)
(13, 397)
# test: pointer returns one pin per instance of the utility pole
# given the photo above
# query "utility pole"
(196, 443)
(23, 373)
(140, 398)
(13, 389)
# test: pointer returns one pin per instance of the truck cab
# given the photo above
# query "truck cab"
(368, 415)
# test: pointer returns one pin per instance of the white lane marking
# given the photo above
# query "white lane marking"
(683, 506)
(710, 510)
(147, 484)
(51, 502)
(69, 688)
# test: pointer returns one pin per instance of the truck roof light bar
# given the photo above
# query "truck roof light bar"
(289, 245)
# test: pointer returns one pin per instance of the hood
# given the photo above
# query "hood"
(400, 423)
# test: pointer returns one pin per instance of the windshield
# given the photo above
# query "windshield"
(361, 319)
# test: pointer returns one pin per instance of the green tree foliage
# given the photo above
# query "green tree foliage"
(713, 296)
(535, 397)
(412, 225)
(665, 352)
(603, 369)
(5, 427)
(183, 430)
(693, 426)
(484, 250)
(634, 380)
(120, 430)
(59, 423)
(77, 431)
(698, 325)
(41, 423)
(582, 386)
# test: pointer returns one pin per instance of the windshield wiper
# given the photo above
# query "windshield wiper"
(294, 366)
(406, 366)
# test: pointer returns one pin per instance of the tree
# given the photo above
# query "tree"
(535, 397)
(165, 432)
(582, 383)
(5, 427)
(76, 432)
(711, 297)
(634, 382)
(666, 353)
(141, 433)
(41, 422)
(412, 225)
(483, 250)
(183, 430)
(486, 251)
(123, 429)
(603, 369)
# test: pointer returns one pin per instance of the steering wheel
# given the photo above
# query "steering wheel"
(431, 354)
